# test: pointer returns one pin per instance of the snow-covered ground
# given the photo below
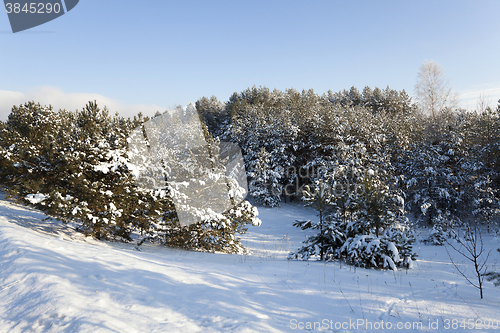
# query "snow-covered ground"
(54, 280)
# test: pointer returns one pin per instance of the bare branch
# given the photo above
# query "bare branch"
(433, 89)
(472, 248)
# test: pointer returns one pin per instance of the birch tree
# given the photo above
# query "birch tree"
(433, 89)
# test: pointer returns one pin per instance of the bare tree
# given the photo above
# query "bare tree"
(482, 104)
(471, 247)
(433, 89)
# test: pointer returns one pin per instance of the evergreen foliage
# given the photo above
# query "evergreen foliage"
(361, 215)
(494, 276)
(378, 155)
(75, 167)
(443, 167)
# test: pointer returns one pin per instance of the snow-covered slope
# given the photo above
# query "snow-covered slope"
(54, 280)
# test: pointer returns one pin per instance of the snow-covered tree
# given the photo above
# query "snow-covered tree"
(365, 222)
(434, 177)
(214, 231)
(433, 89)
(494, 276)
(76, 167)
(264, 185)
(319, 198)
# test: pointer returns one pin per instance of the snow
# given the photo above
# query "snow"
(425, 207)
(36, 198)
(393, 249)
(52, 279)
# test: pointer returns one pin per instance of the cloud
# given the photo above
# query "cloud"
(70, 101)
(469, 98)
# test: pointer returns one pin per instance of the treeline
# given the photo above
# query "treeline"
(363, 159)
(75, 166)
(445, 168)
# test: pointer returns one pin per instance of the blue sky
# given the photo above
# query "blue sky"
(147, 55)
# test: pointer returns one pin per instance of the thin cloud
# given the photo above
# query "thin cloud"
(468, 99)
(69, 101)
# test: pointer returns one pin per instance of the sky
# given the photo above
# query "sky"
(143, 56)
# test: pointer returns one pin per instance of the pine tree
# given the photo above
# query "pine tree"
(361, 216)
(433, 177)
(193, 172)
(264, 184)
(34, 137)
(319, 198)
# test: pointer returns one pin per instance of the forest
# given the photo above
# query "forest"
(371, 162)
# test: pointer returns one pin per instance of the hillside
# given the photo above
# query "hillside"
(52, 279)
